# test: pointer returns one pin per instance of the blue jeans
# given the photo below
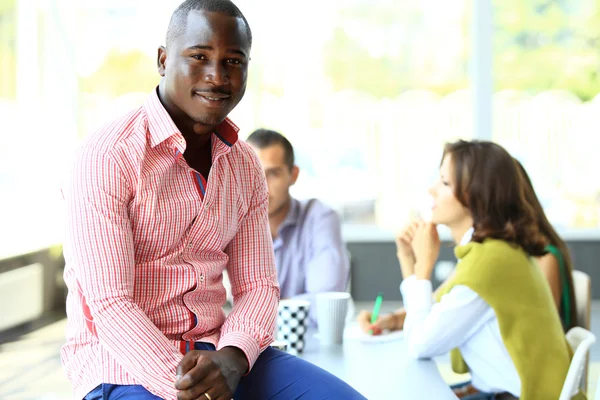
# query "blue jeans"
(276, 375)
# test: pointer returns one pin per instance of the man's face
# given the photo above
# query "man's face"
(279, 176)
(205, 68)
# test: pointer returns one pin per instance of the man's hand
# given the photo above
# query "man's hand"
(216, 373)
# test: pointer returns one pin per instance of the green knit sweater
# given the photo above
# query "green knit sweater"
(504, 276)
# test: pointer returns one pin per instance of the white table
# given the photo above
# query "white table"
(379, 370)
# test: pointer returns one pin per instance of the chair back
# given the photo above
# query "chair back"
(580, 340)
(582, 284)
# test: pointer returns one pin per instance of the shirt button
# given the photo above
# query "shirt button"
(201, 278)
(190, 246)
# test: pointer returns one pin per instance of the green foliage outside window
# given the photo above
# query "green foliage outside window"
(538, 45)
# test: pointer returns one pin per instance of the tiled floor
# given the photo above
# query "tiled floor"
(30, 367)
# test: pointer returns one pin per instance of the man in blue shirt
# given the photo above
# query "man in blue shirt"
(309, 252)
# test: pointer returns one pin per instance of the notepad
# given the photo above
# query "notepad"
(354, 332)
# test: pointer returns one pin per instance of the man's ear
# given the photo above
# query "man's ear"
(161, 60)
(295, 172)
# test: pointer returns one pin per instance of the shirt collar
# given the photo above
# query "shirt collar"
(467, 237)
(162, 127)
(227, 132)
(160, 123)
(292, 216)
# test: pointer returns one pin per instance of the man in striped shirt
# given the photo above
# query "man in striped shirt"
(160, 202)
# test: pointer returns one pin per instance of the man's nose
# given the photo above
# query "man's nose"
(216, 74)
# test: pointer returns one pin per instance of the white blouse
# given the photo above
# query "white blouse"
(461, 319)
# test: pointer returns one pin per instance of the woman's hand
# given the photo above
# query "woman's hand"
(393, 322)
(464, 391)
(404, 249)
(404, 240)
(426, 247)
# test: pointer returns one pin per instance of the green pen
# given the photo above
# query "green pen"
(376, 308)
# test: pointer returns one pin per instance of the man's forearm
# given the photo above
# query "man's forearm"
(113, 326)
(251, 324)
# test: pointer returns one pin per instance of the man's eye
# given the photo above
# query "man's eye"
(199, 56)
(234, 61)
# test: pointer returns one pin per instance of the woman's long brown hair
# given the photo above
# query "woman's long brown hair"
(488, 183)
(553, 238)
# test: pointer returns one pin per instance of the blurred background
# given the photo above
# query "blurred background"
(368, 91)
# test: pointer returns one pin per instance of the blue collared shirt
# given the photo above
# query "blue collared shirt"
(310, 254)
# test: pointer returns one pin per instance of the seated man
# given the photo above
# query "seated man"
(160, 202)
(310, 255)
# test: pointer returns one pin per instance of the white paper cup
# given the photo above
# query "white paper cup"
(292, 317)
(332, 308)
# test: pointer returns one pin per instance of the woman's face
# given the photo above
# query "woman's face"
(446, 209)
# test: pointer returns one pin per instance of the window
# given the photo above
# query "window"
(367, 95)
(367, 92)
(547, 77)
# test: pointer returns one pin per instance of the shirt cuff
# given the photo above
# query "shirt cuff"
(416, 294)
(244, 342)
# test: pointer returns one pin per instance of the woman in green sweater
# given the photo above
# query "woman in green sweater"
(496, 311)
(556, 265)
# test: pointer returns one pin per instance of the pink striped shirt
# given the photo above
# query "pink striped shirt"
(146, 243)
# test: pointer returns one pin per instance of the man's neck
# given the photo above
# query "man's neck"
(277, 218)
(197, 141)
(190, 129)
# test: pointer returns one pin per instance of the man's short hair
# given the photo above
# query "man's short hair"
(263, 138)
(178, 21)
